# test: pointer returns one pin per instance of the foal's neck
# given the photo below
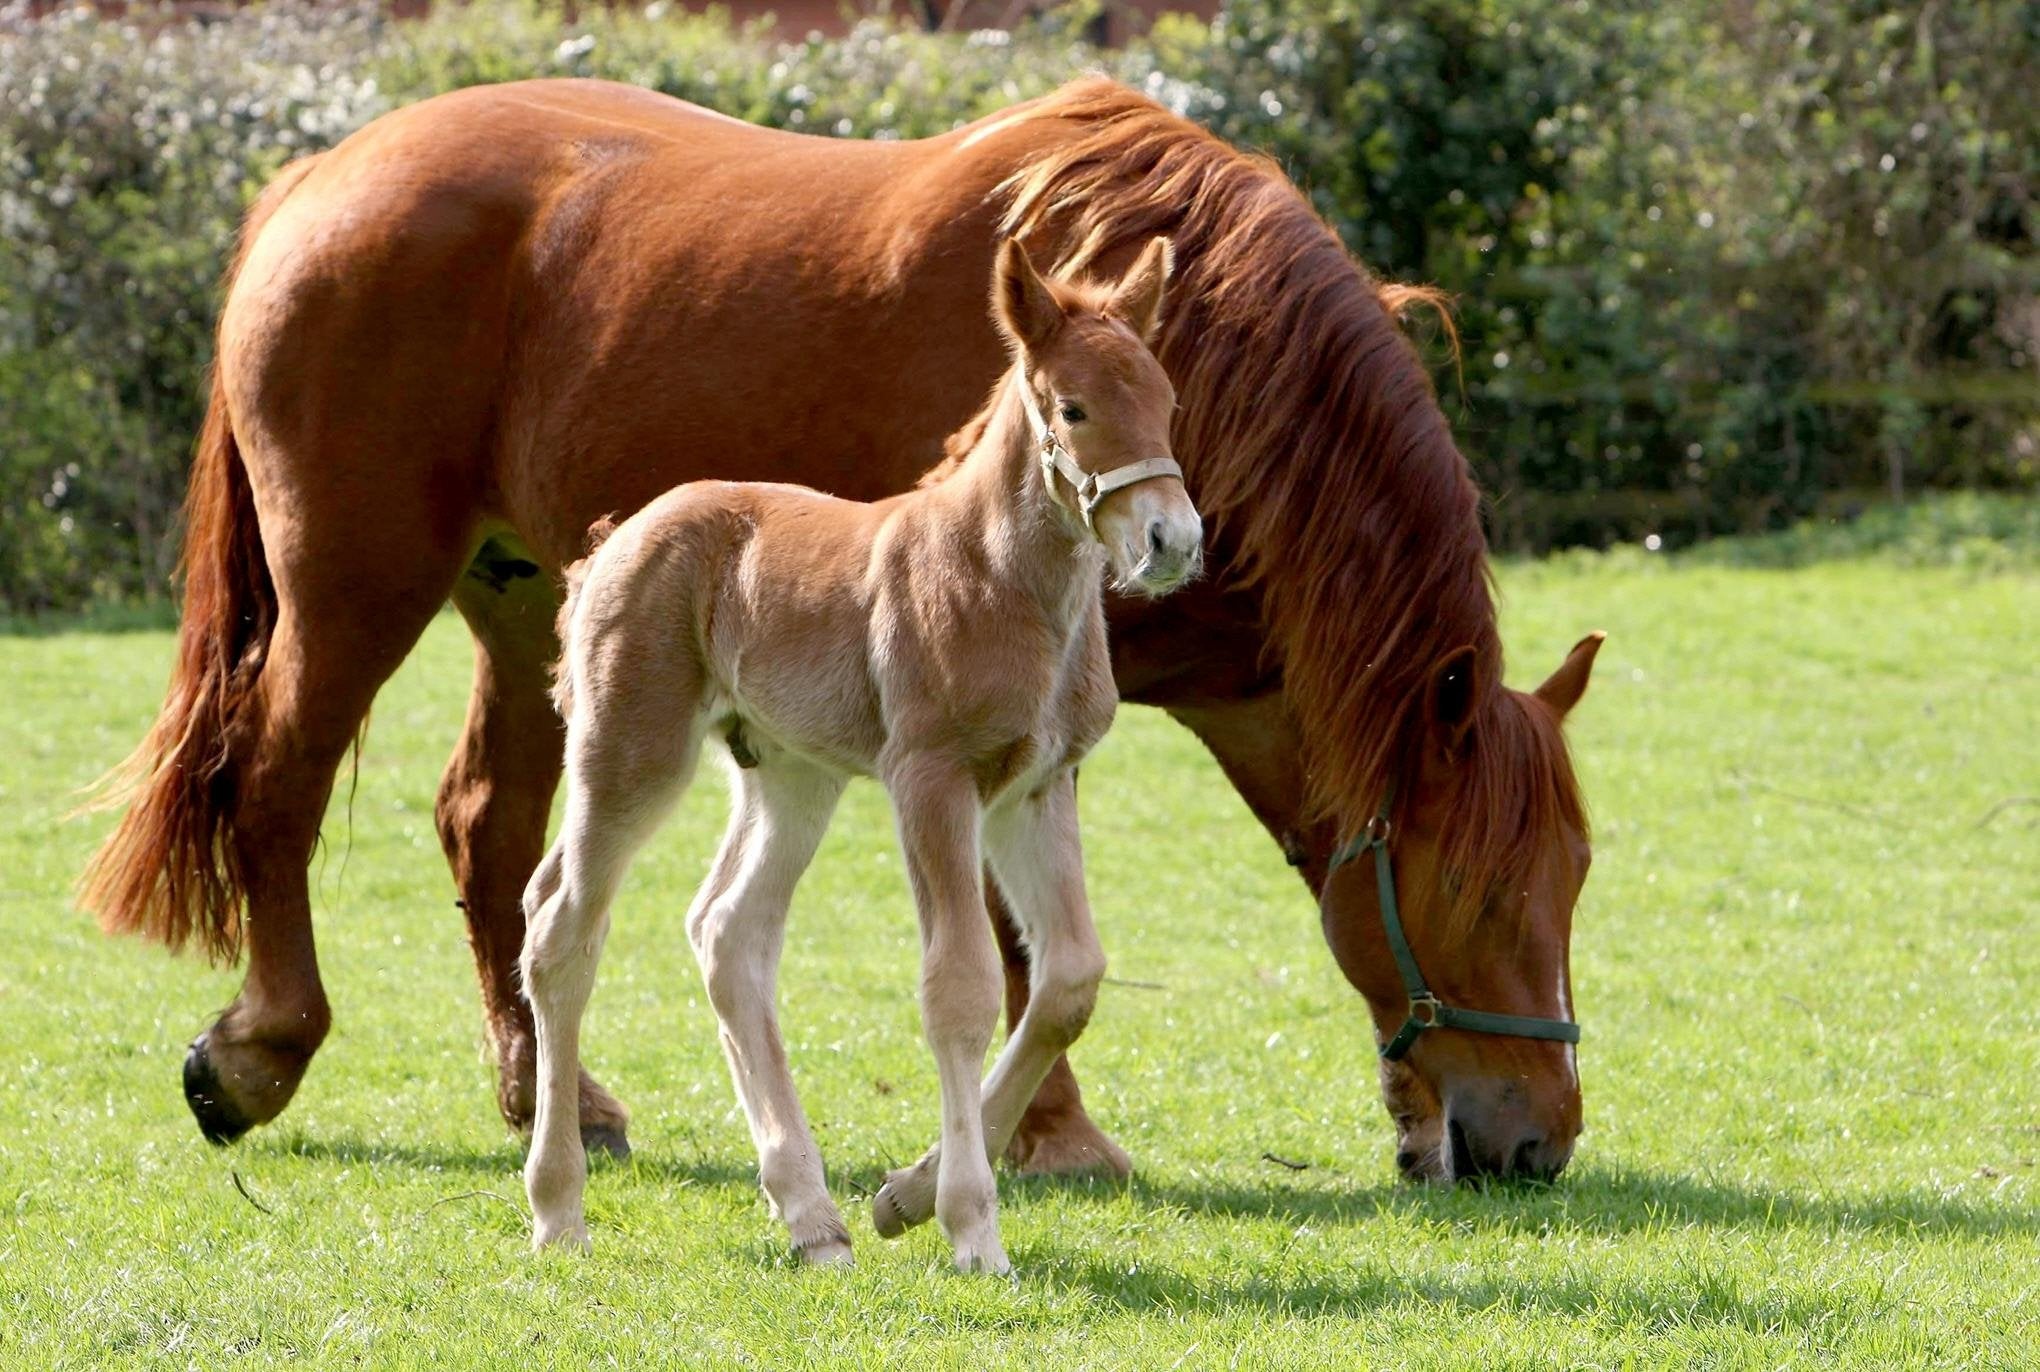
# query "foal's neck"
(1025, 534)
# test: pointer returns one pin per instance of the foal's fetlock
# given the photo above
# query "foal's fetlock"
(822, 1241)
(907, 1198)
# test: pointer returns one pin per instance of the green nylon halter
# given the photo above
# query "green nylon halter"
(1426, 1010)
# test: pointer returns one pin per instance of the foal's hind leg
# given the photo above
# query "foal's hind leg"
(620, 790)
(737, 927)
(494, 801)
(1036, 855)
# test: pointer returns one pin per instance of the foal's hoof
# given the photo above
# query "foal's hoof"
(567, 1238)
(906, 1199)
(218, 1118)
(826, 1253)
(605, 1139)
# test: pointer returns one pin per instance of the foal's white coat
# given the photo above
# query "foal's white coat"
(949, 642)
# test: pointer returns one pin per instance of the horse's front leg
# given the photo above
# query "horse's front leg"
(1037, 857)
(937, 808)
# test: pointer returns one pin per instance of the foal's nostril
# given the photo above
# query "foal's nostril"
(1156, 532)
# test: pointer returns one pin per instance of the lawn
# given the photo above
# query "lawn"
(1808, 963)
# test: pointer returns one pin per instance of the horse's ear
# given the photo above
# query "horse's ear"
(1563, 688)
(1022, 304)
(1138, 297)
(1450, 698)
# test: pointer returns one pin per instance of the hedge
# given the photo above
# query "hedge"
(1718, 266)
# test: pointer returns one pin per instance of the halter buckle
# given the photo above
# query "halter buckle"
(1424, 1010)
(1374, 833)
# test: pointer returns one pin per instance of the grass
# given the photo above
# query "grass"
(1808, 963)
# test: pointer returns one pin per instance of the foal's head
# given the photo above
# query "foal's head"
(1084, 361)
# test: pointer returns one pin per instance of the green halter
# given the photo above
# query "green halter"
(1426, 1010)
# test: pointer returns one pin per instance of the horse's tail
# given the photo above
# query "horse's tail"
(170, 871)
(576, 576)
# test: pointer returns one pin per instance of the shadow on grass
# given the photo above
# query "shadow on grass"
(1597, 1203)
(501, 1159)
(1678, 1297)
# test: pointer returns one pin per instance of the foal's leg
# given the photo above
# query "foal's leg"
(938, 814)
(494, 801)
(1038, 860)
(623, 783)
(737, 927)
(1055, 1135)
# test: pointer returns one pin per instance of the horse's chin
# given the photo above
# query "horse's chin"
(1422, 1153)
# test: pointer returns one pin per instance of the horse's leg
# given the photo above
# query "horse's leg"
(628, 770)
(937, 809)
(337, 639)
(737, 926)
(494, 801)
(1038, 860)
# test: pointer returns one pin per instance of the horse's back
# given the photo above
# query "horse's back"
(545, 301)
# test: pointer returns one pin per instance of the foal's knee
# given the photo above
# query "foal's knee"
(1067, 994)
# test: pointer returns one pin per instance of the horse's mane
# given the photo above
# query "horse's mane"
(1315, 444)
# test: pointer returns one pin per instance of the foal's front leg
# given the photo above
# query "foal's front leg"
(738, 926)
(1038, 859)
(938, 812)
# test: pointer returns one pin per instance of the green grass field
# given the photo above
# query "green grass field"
(1808, 963)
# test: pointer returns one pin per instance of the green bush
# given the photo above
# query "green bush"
(1713, 262)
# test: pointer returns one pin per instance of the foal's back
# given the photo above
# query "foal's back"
(729, 598)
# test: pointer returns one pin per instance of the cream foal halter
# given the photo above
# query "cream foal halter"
(1090, 488)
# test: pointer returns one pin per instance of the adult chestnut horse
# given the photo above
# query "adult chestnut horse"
(483, 321)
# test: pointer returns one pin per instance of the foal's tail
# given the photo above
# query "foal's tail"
(576, 576)
(170, 870)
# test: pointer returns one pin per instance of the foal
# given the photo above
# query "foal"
(950, 642)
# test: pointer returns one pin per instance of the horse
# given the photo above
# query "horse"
(451, 342)
(950, 642)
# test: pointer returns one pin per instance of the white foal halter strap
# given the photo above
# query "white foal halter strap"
(1090, 488)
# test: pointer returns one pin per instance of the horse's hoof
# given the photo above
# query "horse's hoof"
(606, 1140)
(1074, 1148)
(218, 1118)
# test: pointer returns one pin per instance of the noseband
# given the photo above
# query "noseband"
(1426, 1010)
(1090, 488)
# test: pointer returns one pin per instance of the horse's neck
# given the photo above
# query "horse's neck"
(999, 499)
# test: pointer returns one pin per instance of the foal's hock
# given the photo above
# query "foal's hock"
(951, 643)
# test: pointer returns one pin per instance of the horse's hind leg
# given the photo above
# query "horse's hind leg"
(737, 925)
(494, 801)
(337, 638)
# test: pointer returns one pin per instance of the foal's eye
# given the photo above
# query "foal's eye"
(1072, 414)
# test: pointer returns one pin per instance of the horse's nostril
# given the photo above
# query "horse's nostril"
(1523, 1162)
(1156, 532)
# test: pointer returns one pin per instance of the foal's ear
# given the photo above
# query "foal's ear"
(1563, 688)
(1450, 698)
(1138, 297)
(1023, 305)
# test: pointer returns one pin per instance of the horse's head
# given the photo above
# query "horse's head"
(1487, 854)
(1102, 407)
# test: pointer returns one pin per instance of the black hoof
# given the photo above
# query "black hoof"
(602, 1139)
(217, 1118)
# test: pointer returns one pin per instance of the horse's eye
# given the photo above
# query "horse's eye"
(1072, 414)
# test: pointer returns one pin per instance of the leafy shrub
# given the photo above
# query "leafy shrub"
(1713, 261)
